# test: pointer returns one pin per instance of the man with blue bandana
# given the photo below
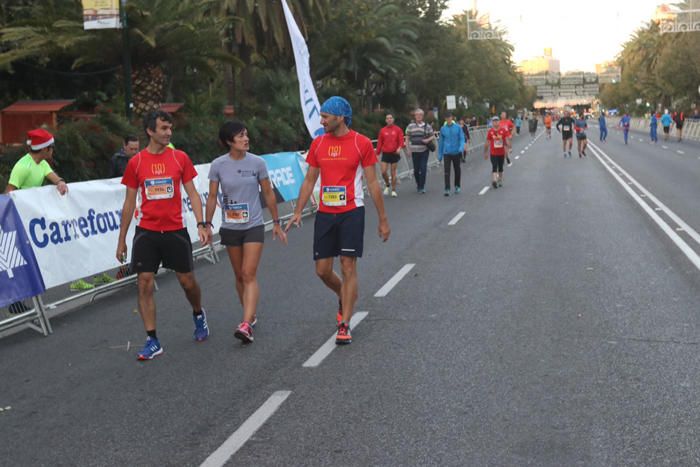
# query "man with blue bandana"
(341, 157)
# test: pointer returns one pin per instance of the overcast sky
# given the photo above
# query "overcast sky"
(581, 33)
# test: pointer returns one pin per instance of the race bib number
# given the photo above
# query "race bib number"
(236, 213)
(566, 128)
(498, 143)
(159, 188)
(334, 196)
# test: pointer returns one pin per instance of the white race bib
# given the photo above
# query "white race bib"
(236, 213)
(566, 128)
(498, 143)
(334, 196)
(159, 188)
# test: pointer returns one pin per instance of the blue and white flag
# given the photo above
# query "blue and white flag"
(20, 277)
(307, 93)
(285, 174)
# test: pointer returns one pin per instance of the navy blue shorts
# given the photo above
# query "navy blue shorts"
(339, 234)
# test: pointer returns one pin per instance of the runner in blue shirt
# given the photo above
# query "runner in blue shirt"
(666, 121)
(603, 125)
(625, 124)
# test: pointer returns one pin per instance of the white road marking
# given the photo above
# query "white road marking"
(517, 157)
(391, 283)
(456, 218)
(239, 437)
(680, 243)
(680, 152)
(522, 152)
(657, 209)
(665, 147)
(484, 190)
(328, 346)
(679, 229)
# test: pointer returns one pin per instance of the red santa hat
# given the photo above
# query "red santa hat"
(39, 139)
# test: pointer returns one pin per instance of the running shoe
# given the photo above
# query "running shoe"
(201, 328)
(244, 332)
(509, 163)
(386, 191)
(394, 194)
(421, 191)
(500, 183)
(494, 185)
(447, 192)
(81, 285)
(102, 279)
(255, 321)
(458, 190)
(343, 336)
(151, 349)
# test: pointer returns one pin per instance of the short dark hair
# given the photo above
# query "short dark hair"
(129, 138)
(229, 130)
(149, 120)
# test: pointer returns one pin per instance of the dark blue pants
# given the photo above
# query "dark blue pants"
(603, 133)
(420, 168)
(653, 135)
(626, 134)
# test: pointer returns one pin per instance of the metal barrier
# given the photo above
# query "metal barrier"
(691, 128)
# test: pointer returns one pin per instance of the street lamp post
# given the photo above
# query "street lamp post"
(126, 59)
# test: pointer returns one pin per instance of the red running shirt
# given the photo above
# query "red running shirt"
(507, 124)
(497, 141)
(158, 177)
(341, 161)
(390, 139)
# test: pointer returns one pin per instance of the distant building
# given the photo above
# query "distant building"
(540, 65)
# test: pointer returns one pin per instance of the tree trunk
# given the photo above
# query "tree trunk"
(148, 83)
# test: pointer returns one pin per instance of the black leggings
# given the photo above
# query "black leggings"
(453, 160)
(497, 164)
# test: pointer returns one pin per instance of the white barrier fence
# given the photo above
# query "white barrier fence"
(691, 128)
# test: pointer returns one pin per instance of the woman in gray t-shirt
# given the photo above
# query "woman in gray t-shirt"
(238, 177)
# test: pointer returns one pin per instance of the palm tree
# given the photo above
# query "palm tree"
(168, 38)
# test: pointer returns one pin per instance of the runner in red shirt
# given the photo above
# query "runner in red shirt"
(389, 143)
(156, 174)
(507, 124)
(340, 157)
(497, 145)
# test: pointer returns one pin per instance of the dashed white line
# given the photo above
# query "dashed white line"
(665, 147)
(522, 152)
(680, 152)
(328, 346)
(456, 218)
(239, 437)
(391, 283)
(517, 157)
(484, 190)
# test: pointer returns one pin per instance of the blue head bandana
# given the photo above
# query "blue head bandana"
(337, 105)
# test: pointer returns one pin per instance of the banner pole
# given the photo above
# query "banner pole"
(126, 46)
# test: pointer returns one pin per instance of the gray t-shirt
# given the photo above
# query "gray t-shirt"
(239, 184)
(416, 134)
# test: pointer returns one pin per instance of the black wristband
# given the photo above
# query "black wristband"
(276, 221)
(204, 224)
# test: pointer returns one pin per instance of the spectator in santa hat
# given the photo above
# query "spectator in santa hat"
(32, 169)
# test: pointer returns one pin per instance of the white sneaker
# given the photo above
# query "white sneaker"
(394, 194)
(386, 191)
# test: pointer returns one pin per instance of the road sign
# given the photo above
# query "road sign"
(451, 103)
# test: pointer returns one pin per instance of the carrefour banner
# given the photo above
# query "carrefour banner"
(75, 236)
(285, 173)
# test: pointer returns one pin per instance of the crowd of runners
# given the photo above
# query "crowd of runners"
(341, 163)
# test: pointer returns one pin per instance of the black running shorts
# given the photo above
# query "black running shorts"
(497, 164)
(667, 129)
(230, 237)
(390, 157)
(339, 234)
(566, 135)
(150, 248)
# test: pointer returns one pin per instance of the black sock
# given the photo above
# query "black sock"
(340, 305)
(152, 334)
(196, 313)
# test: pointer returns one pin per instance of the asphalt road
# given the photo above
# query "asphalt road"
(555, 323)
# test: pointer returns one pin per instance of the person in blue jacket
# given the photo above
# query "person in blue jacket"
(518, 124)
(666, 121)
(603, 126)
(653, 124)
(625, 124)
(451, 146)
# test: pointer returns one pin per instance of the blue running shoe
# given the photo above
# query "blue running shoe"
(201, 329)
(151, 349)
